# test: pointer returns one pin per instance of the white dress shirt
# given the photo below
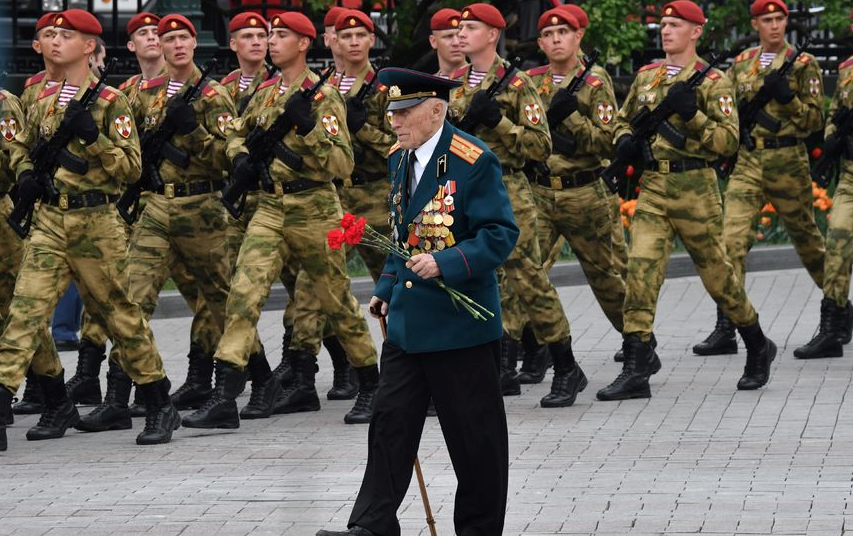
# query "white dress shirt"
(422, 157)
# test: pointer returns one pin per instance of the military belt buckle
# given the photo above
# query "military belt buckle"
(63, 201)
(556, 183)
(759, 143)
(279, 190)
(169, 190)
(663, 166)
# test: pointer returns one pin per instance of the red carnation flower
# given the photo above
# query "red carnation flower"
(335, 238)
(347, 220)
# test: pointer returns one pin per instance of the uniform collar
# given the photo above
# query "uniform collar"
(429, 180)
(424, 152)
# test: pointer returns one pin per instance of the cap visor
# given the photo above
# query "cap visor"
(405, 103)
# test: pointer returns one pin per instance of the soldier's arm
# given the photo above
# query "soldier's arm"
(240, 128)
(120, 156)
(376, 135)
(329, 142)
(10, 109)
(208, 141)
(386, 281)
(834, 105)
(19, 147)
(517, 132)
(593, 132)
(806, 108)
(716, 131)
(622, 125)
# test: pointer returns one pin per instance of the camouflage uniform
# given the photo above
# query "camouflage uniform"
(686, 203)
(778, 175)
(33, 87)
(86, 242)
(521, 135)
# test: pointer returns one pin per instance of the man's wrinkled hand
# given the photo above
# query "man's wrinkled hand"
(424, 266)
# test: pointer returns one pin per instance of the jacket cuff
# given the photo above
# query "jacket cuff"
(454, 265)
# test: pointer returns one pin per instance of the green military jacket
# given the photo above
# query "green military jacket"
(376, 137)
(33, 87)
(591, 125)
(711, 133)
(11, 122)
(843, 95)
(801, 116)
(241, 99)
(130, 87)
(326, 150)
(522, 133)
(114, 158)
(206, 144)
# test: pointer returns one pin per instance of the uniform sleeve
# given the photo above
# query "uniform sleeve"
(489, 217)
(208, 141)
(376, 135)
(593, 131)
(623, 118)
(517, 132)
(240, 127)
(10, 110)
(717, 131)
(387, 278)
(834, 105)
(329, 141)
(120, 155)
(19, 147)
(807, 106)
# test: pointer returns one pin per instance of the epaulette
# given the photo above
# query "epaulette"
(536, 71)
(846, 63)
(129, 82)
(230, 77)
(593, 80)
(394, 148)
(516, 82)
(307, 84)
(209, 91)
(465, 149)
(154, 82)
(460, 72)
(804, 58)
(49, 91)
(380, 87)
(108, 94)
(272, 81)
(746, 55)
(713, 74)
(35, 79)
(650, 66)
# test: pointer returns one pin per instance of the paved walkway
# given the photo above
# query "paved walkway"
(698, 457)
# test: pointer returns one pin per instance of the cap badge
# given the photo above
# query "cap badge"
(276, 21)
(668, 11)
(465, 14)
(771, 8)
(454, 22)
(253, 22)
(147, 20)
(352, 21)
(59, 20)
(394, 92)
(174, 25)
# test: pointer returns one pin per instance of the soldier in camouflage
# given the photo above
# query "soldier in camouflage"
(295, 213)
(777, 170)
(444, 39)
(680, 196)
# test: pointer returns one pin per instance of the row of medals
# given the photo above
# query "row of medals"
(430, 229)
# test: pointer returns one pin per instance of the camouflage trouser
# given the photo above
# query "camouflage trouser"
(839, 240)
(88, 245)
(301, 222)
(689, 205)
(182, 230)
(780, 176)
(204, 331)
(522, 277)
(369, 201)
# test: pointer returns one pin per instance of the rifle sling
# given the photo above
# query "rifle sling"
(72, 163)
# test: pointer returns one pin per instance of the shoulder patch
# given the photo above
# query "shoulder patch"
(394, 148)
(271, 82)
(516, 82)
(465, 149)
(232, 76)
(154, 82)
(369, 76)
(108, 94)
(381, 88)
(49, 91)
(209, 91)
(536, 71)
(129, 82)
(460, 72)
(846, 63)
(307, 83)
(714, 74)
(35, 79)
(804, 58)
(650, 66)
(593, 80)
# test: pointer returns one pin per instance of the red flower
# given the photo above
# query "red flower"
(335, 238)
(352, 236)
(347, 220)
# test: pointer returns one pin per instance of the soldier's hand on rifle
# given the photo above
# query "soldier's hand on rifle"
(181, 116)
(81, 122)
(626, 149)
(777, 86)
(562, 106)
(298, 109)
(242, 171)
(565, 144)
(29, 188)
(682, 100)
(832, 146)
(484, 110)
(356, 114)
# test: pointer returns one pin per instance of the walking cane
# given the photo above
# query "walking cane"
(427, 510)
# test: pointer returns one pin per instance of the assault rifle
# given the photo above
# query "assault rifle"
(157, 146)
(365, 92)
(496, 88)
(48, 154)
(263, 146)
(843, 146)
(645, 124)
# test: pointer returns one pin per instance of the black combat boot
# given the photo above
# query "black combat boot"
(284, 370)
(137, 409)
(5, 406)
(113, 413)
(32, 401)
(7, 418)
(343, 386)
(633, 382)
(569, 379)
(721, 341)
(60, 413)
(368, 383)
(760, 352)
(300, 395)
(197, 389)
(220, 410)
(161, 416)
(85, 386)
(354, 531)
(847, 336)
(536, 360)
(266, 388)
(653, 342)
(830, 333)
(509, 358)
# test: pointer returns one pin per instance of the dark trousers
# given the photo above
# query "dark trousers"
(466, 392)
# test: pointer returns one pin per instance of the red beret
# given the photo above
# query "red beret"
(296, 21)
(578, 12)
(485, 13)
(247, 20)
(684, 9)
(141, 19)
(45, 21)
(77, 19)
(173, 22)
(556, 17)
(353, 18)
(332, 15)
(445, 19)
(763, 7)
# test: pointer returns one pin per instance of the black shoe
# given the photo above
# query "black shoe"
(619, 357)
(60, 413)
(827, 340)
(760, 352)
(848, 323)
(300, 395)
(5, 407)
(633, 381)
(368, 382)
(161, 417)
(85, 386)
(354, 531)
(284, 370)
(510, 385)
(266, 388)
(343, 386)
(569, 379)
(536, 360)
(721, 341)
(32, 401)
(220, 410)
(198, 387)
(113, 413)
(137, 409)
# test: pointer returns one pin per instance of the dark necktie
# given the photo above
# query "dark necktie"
(410, 174)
